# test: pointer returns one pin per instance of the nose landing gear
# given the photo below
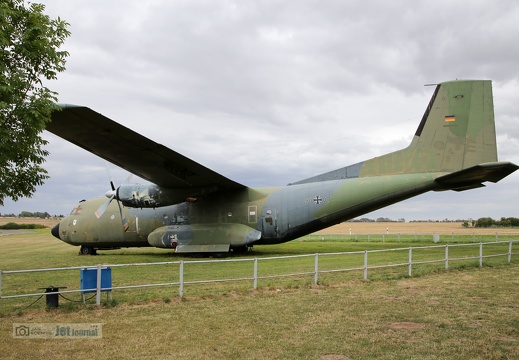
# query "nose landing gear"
(87, 250)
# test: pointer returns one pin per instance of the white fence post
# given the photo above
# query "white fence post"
(510, 252)
(480, 254)
(181, 279)
(316, 269)
(446, 256)
(366, 265)
(255, 273)
(410, 261)
(98, 286)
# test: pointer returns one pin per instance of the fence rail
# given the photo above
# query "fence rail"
(414, 237)
(412, 260)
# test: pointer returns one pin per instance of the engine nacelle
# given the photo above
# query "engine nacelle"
(142, 196)
(203, 237)
(152, 196)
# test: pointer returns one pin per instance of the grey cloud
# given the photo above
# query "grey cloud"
(274, 91)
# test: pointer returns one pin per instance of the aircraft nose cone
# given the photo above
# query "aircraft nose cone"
(55, 231)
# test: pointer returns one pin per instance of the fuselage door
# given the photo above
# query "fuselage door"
(253, 214)
(270, 223)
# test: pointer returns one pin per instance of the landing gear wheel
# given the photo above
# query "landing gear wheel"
(240, 249)
(87, 250)
(220, 255)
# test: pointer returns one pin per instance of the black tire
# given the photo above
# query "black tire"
(219, 255)
(87, 250)
(240, 249)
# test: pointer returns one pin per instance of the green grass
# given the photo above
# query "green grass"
(456, 315)
(466, 312)
(40, 250)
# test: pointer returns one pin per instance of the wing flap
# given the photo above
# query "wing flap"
(132, 151)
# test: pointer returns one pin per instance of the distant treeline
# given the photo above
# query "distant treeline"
(504, 222)
(27, 214)
(481, 222)
(401, 220)
(14, 226)
(380, 219)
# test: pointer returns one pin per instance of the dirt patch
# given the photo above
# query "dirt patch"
(406, 326)
(334, 357)
(13, 232)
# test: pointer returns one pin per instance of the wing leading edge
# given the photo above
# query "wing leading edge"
(132, 151)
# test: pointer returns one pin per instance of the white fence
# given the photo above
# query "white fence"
(411, 262)
(444, 237)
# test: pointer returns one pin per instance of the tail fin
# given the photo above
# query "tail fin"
(456, 136)
(457, 131)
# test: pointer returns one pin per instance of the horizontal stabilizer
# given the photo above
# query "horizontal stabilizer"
(474, 176)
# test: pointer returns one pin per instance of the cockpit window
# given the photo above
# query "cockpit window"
(77, 210)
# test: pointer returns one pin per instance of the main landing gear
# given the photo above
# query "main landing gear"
(87, 250)
(240, 249)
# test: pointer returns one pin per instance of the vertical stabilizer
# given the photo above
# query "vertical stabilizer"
(457, 131)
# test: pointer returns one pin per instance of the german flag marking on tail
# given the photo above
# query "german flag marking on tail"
(450, 118)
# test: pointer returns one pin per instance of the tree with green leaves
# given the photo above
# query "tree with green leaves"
(485, 222)
(30, 54)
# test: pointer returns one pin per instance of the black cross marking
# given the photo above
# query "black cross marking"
(318, 199)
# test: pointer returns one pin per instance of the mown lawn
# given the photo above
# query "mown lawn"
(39, 250)
(468, 314)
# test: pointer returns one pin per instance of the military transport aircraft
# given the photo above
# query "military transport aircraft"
(192, 209)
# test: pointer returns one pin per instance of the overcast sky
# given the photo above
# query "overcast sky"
(271, 92)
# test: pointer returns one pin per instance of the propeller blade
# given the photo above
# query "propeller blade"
(101, 209)
(128, 179)
(112, 194)
(123, 219)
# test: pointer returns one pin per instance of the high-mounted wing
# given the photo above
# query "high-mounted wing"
(132, 151)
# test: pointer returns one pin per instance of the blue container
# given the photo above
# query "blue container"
(88, 279)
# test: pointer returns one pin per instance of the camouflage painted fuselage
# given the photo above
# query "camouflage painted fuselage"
(454, 148)
(237, 219)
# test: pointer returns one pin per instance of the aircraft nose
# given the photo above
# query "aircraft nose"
(55, 231)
